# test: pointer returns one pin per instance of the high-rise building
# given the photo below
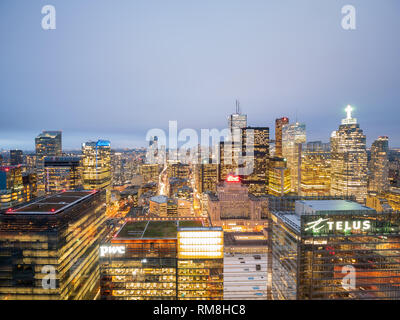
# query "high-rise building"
(278, 177)
(16, 157)
(206, 176)
(349, 162)
(278, 135)
(62, 173)
(315, 169)
(96, 165)
(255, 152)
(11, 186)
(334, 249)
(178, 170)
(379, 166)
(236, 122)
(231, 149)
(293, 136)
(163, 260)
(200, 263)
(49, 247)
(48, 144)
(150, 173)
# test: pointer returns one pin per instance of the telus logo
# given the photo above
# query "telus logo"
(111, 250)
(338, 225)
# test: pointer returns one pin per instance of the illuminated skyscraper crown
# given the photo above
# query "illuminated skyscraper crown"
(349, 119)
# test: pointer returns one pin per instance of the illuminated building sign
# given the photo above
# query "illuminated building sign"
(232, 178)
(103, 143)
(339, 225)
(202, 244)
(111, 250)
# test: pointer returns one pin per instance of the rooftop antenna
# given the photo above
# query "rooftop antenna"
(237, 106)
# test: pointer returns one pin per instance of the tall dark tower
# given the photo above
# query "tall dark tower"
(278, 135)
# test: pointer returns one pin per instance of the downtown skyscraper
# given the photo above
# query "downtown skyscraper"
(379, 165)
(279, 123)
(96, 163)
(48, 144)
(230, 149)
(349, 162)
(255, 150)
(293, 136)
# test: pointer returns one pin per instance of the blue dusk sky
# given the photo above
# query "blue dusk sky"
(116, 69)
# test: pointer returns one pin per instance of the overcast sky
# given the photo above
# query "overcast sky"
(115, 69)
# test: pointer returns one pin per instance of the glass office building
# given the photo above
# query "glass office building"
(162, 260)
(47, 144)
(57, 235)
(62, 173)
(96, 163)
(200, 263)
(335, 249)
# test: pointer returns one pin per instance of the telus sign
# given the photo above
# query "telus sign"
(338, 225)
(111, 250)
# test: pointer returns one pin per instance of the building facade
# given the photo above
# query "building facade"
(315, 169)
(232, 207)
(163, 260)
(379, 166)
(279, 123)
(255, 151)
(334, 249)
(293, 137)
(349, 162)
(47, 144)
(49, 247)
(96, 165)
(62, 173)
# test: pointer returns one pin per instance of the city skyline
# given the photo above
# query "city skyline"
(108, 76)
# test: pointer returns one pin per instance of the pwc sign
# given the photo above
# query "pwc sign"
(111, 250)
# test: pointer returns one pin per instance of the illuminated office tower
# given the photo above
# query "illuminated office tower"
(178, 170)
(96, 163)
(349, 169)
(379, 166)
(230, 150)
(206, 177)
(293, 136)
(11, 186)
(57, 234)
(278, 177)
(315, 169)
(48, 144)
(29, 182)
(16, 157)
(162, 260)
(278, 135)
(255, 152)
(393, 198)
(227, 162)
(62, 173)
(150, 173)
(236, 122)
(317, 247)
(29, 163)
(200, 263)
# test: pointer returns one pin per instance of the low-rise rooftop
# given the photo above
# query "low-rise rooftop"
(310, 207)
(166, 229)
(51, 204)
